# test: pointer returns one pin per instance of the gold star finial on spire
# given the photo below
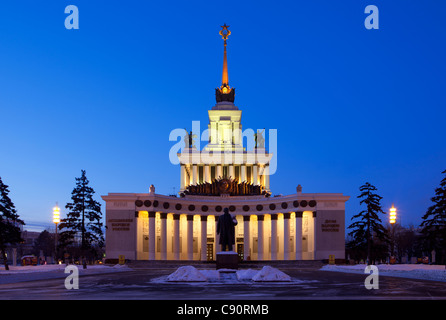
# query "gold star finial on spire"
(225, 32)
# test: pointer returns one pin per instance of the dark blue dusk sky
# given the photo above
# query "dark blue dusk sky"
(350, 105)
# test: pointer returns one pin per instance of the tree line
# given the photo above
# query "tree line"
(80, 234)
(369, 240)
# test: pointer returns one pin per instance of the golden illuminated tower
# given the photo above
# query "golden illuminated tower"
(225, 93)
(225, 155)
(225, 32)
(225, 118)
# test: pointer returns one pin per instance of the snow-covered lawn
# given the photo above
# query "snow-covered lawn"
(414, 271)
(51, 271)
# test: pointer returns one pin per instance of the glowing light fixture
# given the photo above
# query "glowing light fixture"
(56, 220)
(392, 215)
(56, 214)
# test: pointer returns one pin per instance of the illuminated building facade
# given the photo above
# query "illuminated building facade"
(151, 226)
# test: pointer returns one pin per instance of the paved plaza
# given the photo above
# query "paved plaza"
(148, 281)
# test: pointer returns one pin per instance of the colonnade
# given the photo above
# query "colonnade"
(257, 174)
(281, 236)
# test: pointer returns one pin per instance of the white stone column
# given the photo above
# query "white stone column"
(274, 236)
(298, 235)
(176, 237)
(204, 233)
(190, 237)
(152, 235)
(194, 174)
(213, 132)
(286, 236)
(267, 177)
(231, 171)
(243, 172)
(216, 237)
(255, 175)
(246, 237)
(207, 173)
(163, 216)
(261, 174)
(260, 246)
(138, 235)
(182, 177)
(218, 170)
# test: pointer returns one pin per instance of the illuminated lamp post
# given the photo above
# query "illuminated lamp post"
(392, 216)
(392, 221)
(56, 220)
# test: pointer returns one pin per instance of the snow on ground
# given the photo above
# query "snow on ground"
(246, 274)
(191, 274)
(413, 271)
(51, 271)
(270, 274)
(186, 273)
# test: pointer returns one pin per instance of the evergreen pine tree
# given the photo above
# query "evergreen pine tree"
(83, 220)
(434, 222)
(368, 229)
(44, 243)
(10, 232)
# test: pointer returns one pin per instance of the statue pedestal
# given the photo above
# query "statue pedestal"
(227, 260)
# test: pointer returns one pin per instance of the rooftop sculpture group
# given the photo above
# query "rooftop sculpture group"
(227, 186)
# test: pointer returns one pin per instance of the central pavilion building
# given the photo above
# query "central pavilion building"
(151, 226)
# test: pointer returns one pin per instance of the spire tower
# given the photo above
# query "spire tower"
(225, 32)
(225, 92)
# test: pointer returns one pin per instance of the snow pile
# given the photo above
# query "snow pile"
(191, 274)
(187, 273)
(413, 271)
(246, 274)
(271, 274)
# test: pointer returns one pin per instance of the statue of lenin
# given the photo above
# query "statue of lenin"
(226, 229)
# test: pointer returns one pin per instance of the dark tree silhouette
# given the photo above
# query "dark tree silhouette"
(367, 230)
(44, 243)
(83, 220)
(434, 222)
(10, 232)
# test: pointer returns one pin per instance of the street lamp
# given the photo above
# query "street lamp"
(56, 220)
(392, 215)
(392, 221)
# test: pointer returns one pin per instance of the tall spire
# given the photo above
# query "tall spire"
(225, 92)
(225, 32)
